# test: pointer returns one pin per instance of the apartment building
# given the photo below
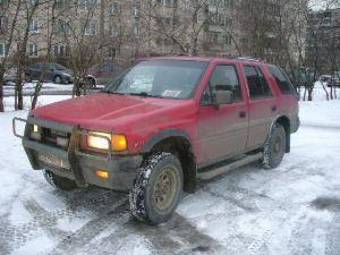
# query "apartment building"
(323, 40)
(121, 30)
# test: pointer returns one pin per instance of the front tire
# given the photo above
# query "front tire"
(59, 182)
(157, 189)
(275, 147)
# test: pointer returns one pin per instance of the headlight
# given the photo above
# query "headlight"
(101, 141)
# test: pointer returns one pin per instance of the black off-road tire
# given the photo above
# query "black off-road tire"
(275, 147)
(144, 196)
(59, 182)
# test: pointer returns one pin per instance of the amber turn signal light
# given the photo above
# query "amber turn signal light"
(102, 174)
(119, 143)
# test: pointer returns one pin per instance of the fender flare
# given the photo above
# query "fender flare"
(190, 171)
(164, 135)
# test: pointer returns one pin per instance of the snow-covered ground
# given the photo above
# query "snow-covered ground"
(29, 88)
(294, 209)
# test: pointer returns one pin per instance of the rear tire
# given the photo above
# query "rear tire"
(59, 182)
(92, 83)
(157, 189)
(57, 80)
(275, 147)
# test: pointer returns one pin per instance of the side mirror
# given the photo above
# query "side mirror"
(223, 97)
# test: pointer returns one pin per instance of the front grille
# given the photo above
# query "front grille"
(55, 138)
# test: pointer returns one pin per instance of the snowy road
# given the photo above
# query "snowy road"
(294, 209)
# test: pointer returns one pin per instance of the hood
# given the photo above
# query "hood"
(103, 111)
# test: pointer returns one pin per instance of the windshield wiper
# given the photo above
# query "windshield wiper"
(112, 92)
(142, 94)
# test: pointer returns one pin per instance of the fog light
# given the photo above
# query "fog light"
(35, 134)
(102, 174)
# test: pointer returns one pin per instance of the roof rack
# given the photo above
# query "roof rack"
(249, 59)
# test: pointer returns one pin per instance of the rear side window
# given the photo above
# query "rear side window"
(257, 83)
(285, 86)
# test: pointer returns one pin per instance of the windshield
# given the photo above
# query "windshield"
(160, 78)
(59, 67)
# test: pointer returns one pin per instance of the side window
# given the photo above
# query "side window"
(224, 77)
(257, 83)
(285, 86)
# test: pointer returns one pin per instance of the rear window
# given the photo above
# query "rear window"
(285, 86)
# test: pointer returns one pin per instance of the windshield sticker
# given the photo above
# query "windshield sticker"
(171, 93)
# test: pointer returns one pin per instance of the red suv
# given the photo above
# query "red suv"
(161, 126)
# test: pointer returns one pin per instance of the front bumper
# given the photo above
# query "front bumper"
(77, 165)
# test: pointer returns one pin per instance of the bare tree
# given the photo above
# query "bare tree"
(7, 29)
(180, 26)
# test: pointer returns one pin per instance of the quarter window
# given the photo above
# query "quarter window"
(285, 86)
(257, 83)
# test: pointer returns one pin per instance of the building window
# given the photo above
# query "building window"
(115, 8)
(59, 50)
(2, 50)
(112, 52)
(3, 24)
(34, 26)
(227, 40)
(167, 3)
(33, 50)
(213, 37)
(90, 28)
(34, 2)
(61, 27)
(88, 4)
(114, 31)
(60, 4)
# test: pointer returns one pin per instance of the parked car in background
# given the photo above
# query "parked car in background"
(334, 81)
(50, 72)
(103, 74)
(325, 78)
(10, 76)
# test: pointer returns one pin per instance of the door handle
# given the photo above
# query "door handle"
(242, 115)
(274, 108)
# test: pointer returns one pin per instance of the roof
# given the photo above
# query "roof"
(207, 59)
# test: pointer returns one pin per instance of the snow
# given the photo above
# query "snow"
(293, 209)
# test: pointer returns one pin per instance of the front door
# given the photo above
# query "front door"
(222, 130)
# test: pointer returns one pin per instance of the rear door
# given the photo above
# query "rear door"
(35, 71)
(222, 130)
(262, 106)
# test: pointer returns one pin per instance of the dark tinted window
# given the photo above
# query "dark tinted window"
(257, 83)
(282, 80)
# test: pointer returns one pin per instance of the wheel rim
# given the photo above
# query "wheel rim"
(165, 189)
(277, 147)
(57, 79)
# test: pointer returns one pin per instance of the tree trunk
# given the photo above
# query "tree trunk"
(310, 94)
(325, 89)
(2, 108)
(37, 90)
